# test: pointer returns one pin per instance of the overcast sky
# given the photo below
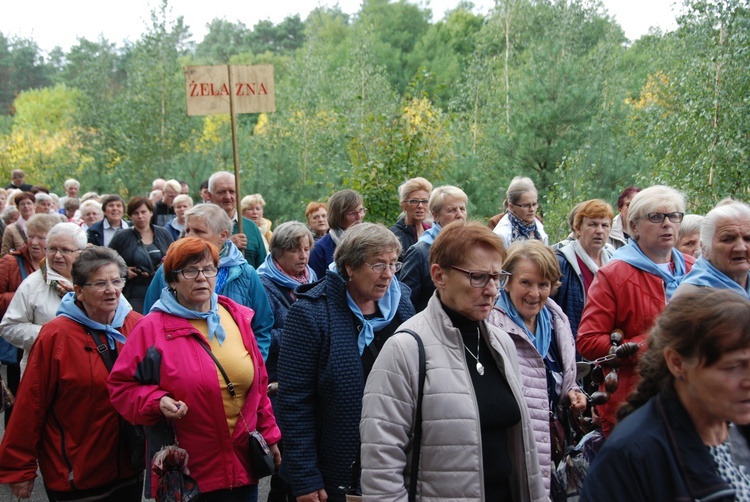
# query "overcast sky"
(54, 22)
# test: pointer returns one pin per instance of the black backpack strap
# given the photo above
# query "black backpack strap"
(418, 425)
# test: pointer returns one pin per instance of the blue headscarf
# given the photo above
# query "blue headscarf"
(430, 234)
(705, 274)
(69, 309)
(270, 270)
(543, 336)
(388, 306)
(168, 304)
(632, 255)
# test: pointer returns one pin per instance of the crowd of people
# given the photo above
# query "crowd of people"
(438, 359)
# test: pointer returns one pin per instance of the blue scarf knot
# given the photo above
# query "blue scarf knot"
(705, 274)
(269, 269)
(632, 254)
(69, 309)
(168, 304)
(543, 336)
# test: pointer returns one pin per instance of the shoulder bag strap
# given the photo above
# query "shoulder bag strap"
(103, 350)
(418, 425)
(21, 267)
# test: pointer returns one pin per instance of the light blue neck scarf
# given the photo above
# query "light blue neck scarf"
(388, 306)
(69, 309)
(705, 274)
(230, 256)
(168, 304)
(430, 234)
(270, 270)
(543, 336)
(632, 255)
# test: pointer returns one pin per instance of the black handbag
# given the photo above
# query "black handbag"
(261, 459)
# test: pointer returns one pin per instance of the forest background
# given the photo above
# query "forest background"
(549, 89)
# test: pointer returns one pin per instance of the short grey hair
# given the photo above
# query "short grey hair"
(214, 216)
(183, 197)
(649, 199)
(91, 260)
(413, 185)
(517, 187)
(42, 222)
(70, 182)
(691, 224)
(288, 237)
(8, 213)
(90, 204)
(736, 211)
(40, 196)
(438, 195)
(217, 175)
(69, 230)
(362, 241)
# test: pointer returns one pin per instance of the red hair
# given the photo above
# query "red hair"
(187, 251)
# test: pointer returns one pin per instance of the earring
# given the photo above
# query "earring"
(681, 378)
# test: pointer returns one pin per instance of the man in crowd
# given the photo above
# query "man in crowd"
(16, 181)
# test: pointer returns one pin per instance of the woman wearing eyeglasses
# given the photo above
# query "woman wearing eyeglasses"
(37, 298)
(414, 195)
(62, 419)
(519, 221)
(630, 291)
(170, 377)
(544, 342)
(477, 438)
(345, 209)
(332, 336)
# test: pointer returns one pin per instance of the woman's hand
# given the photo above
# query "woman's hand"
(23, 489)
(276, 454)
(319, 496)
(133, 272)
(578, 401)
(171, 408)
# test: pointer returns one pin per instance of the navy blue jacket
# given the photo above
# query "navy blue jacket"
(407, 235)
(570, 296)
(655, 454)
(322, 255)
(416, 274)
(281, 300)
(321, 384)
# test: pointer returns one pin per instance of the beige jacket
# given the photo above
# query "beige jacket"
(451, 455)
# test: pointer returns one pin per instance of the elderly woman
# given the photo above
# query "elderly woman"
(236, 280)
(284, 270)
(582, 258)
(689, 236)
(520, 221)
(252, 208)
(447, 204)
(679, 435)
(37, 298)
(81, 448)
(345, 210)
(332, 335)
(619, 235)
(477, 438)
(91, 212)
(725, 264)
(414, 197)
(166, 376)
(143, 247)
(544, 342)
(317, 219)
(15, 234)
(182, 203)
(632, 289)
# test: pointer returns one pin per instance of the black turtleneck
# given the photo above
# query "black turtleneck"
(498, 409)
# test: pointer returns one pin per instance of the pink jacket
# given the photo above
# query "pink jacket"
(534, 375)
(163, 356)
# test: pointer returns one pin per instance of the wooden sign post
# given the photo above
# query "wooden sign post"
(213, 90)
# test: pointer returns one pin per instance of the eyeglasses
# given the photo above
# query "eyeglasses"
(479, 279)
(659, 217)
(192, 273)
(528, 207)
(354, 214)
(101, 286)
(62, 251)
(418, 202)
(379, 268)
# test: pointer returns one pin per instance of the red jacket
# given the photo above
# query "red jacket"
(626, 298)
(163, 356)
(10, 274)
(63, 417)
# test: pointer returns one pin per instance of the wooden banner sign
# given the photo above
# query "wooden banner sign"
(208, 89)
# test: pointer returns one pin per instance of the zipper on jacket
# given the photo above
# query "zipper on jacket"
(476, 409)
(63, 451)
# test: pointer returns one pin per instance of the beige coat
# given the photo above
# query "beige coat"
(451, 455)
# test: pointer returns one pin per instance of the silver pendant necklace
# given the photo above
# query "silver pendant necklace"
(480, 366)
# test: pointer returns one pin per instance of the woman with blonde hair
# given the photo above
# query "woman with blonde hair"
(251, 208)
(414, 195)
